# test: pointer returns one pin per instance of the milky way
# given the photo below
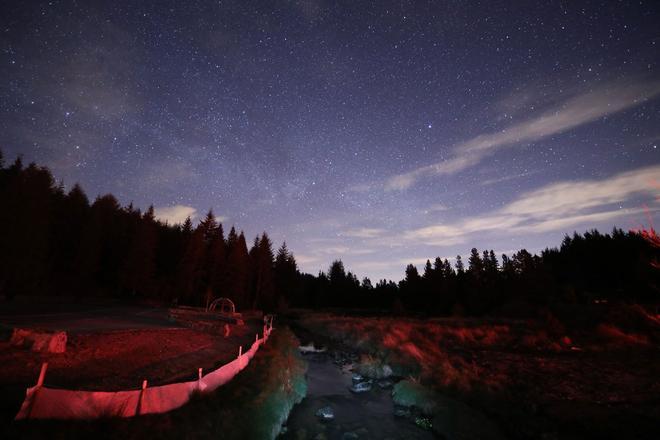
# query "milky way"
(381, 133)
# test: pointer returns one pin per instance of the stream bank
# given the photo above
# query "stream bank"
(342, 405)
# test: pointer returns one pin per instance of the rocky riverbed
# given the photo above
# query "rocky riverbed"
(342, 404)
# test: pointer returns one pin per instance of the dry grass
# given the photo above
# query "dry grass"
(436, 349)
(614, 336)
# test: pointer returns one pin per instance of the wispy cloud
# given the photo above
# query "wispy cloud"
(438, 207)
(558, 206)
(507, 178)
(415, 261)
(364, 232)
(579, 110)
(306, 259)
(167, 173)
(175, 214)
(341, 250)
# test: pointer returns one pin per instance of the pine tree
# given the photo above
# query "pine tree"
(216, 263)
(494, 265)
(190, 268)
(286, 274)
(27, 209)
(264, 289)
(507, 266)
(208, 227)
(337, 273)
(475, 264)
(447, 270)
(438, 268)
(238, 264)
(460, 268)
(232, 239)
(101, 247)
(366, 284)
(187, 227)
(412, 275)
(139, 266)
(69, 219)
(428, 271)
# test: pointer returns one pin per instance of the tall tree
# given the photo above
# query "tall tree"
(264, 288)
(139, 266)
(460, 268)
(27, 206)
(238, 264)
(102, 247)
(286, 276)
(216, 263)
(475, 263)
(190, 268)
(428, 271)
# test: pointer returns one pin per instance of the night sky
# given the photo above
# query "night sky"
(382, 133)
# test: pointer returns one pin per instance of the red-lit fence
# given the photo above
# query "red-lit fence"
(48, 403)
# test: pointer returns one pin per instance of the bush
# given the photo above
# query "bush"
(410, 393)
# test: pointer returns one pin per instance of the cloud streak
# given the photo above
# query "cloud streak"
(175, 214)
(554, 207)
(572, 113)
(364, 232)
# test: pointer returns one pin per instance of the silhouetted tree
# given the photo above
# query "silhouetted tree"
(475, 263)
(190, 269)
(460, 269)
(286, 276)
(238, 265)
(139, 266)
(264, 286)
(216, 262)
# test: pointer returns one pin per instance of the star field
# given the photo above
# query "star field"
(382, 133)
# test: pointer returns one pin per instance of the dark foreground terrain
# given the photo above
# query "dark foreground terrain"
(252, 406)
(591, 376)
(582, 372)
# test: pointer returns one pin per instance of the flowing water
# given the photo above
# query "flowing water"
(368, 415)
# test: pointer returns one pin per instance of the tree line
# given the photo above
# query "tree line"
(54, 242)
(585, 268)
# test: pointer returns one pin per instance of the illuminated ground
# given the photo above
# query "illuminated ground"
(110, 348)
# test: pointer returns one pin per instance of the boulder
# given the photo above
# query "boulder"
(43, 341)
(325, 413)
(361, 387)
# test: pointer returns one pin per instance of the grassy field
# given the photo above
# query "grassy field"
(539, 377)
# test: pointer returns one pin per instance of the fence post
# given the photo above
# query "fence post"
(39, 384)
(199, 380)
(138, 410)
(42, 374)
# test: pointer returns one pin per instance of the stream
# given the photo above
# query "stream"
(365, 415)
